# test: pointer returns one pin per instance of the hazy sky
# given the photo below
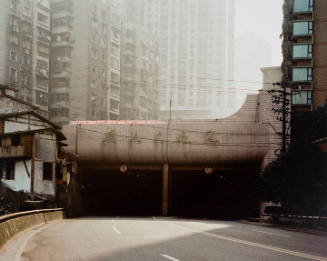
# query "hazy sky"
(264, 19)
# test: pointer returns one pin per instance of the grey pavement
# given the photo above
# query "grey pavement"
(162, 239)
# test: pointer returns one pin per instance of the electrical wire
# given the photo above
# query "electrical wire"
(188, 143)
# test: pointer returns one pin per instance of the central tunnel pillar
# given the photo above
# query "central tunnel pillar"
(165, 189)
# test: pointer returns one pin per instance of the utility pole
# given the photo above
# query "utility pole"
(284, 112)
(280, 97)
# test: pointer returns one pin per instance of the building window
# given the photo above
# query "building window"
(26, 59)
(14, 25)
(63, 112)
(115, 34)
(41, 98)
(115, 63)
(302, 28)
(61, 82)
(13, 4)
(115, 77)
(42, 81)
(44, 3)
(27, 43)
(15, 140)
(303, 6)
(13, 38)
(27, 28)
(302, 97)
(93, 84)
(13, 56)
(47, 171)
(43, 50)
(94, 54)
(62, 97)
(12, 75)
(26, 11)
(41, 65)
(10, 170)
(302, 74)
(64, 21)
(302, 51)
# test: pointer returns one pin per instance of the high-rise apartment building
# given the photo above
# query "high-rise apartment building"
(24, 49)
(196, 56)
(85, 60)
(139, 96)
(305, 53)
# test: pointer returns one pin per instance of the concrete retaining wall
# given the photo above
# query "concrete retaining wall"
(299, 221)
(12, 224)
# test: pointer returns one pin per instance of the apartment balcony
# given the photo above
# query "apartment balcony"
(44, 39)
(63, 14)
(62, 59)
(43, 73)
(114, 96)
(15, 13)
(115, 40)
(59, 105)
(16, 151)
(62, 74)
(59, 67)
(14, 29)
(69, 43)
(62, 29)
(43, 7)
(60, 119)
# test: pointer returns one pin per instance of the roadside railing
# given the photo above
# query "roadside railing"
(12, 224)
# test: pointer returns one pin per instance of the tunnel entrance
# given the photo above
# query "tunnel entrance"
(111, 192)
(222, 194)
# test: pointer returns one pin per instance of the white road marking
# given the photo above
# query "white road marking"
(258, 245)
(21, 249)
(270, 233)
(170, 257)
(116, 230)
(154, 218)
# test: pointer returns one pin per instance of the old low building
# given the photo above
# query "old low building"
(29, 148)
(10, 103)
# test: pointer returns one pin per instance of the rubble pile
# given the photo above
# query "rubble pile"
(11, 201)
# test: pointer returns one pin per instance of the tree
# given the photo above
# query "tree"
(298, 178)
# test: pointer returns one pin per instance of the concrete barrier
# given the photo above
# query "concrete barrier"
(11, 225)
(295, 220)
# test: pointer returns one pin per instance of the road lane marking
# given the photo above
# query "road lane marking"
(270, 233)
(20, 251)
(258, 245)
(170, 257)
(116, 230)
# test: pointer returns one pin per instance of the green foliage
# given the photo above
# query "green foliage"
(310, 126)
(298, 178)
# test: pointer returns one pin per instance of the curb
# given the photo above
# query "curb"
(12, 224)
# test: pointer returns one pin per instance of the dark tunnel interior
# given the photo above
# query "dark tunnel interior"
(111, 192)
(223, 194)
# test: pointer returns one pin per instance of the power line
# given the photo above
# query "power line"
(187, 143)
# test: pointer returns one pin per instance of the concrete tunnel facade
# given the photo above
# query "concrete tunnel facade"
(238, 144)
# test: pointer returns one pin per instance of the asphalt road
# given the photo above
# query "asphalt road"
(162, 239)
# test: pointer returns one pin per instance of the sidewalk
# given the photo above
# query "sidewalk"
(303, 227)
